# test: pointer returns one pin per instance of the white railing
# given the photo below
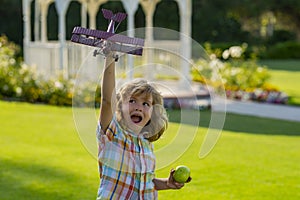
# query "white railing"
(45, 57)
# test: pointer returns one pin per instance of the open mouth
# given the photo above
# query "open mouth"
(136, 118)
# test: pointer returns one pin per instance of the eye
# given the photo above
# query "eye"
(146, 104)
(131, 101)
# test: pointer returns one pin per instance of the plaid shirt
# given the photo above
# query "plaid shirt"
(126, 164)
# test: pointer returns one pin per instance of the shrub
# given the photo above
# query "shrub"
(282, 36)
(242, 79)
(243, 75)
(249, 51)
(10, 65)
(284, 50)
(20, 82)
(9, 53)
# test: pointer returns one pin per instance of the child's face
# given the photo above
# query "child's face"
(137, 111)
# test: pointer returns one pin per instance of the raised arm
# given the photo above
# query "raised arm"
(108, 94)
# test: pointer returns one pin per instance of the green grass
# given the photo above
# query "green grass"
(285, 74)
(43, 158)
(287, 81)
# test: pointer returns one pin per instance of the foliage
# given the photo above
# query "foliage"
(57, 91)
(11, 20)
(20, 82)
(9, 53)
(282, 36)
(16, 79)
(280, 50)
(243, 75)
(242, 79)
(249, 51)
(284, 50)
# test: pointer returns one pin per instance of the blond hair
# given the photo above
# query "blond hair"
(159, 120)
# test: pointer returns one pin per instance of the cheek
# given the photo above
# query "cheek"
(125, 109)
(149, 111)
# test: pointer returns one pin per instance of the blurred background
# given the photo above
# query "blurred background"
(254, 45)
(222, 23)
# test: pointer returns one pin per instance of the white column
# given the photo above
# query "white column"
(83, 14)
(130, 7)
(44, 5)
(26, 23)
(149, 8)
(93, 8)
(92, 11)
(37, 8)
(61, 7)
(185, 8)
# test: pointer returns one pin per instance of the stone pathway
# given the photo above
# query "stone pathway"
(267, 110)
(172, 89)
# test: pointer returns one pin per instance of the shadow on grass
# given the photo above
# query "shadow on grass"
(21, 180)
(246, 124)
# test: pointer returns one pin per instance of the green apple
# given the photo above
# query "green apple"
(181, 174)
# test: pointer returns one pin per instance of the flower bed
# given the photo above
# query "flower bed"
(259, 95)
(240, 79)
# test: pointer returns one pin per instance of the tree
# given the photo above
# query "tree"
(11, 20)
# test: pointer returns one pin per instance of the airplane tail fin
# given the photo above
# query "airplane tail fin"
(108, 14)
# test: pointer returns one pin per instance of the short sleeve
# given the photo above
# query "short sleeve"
(99, 128)
(110, 132)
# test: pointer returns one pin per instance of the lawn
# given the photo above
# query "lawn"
(285, 74)
(42, 157)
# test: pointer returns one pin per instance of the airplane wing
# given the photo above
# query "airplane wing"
(120, 43)
(135, 50)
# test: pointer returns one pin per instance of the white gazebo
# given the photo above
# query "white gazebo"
(60, 57)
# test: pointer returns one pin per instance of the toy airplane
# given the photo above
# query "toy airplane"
(116, 42)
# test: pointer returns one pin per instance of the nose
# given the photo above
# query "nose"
(138, 107)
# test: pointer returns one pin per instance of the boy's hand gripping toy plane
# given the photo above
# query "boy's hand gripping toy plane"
(108, 41)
